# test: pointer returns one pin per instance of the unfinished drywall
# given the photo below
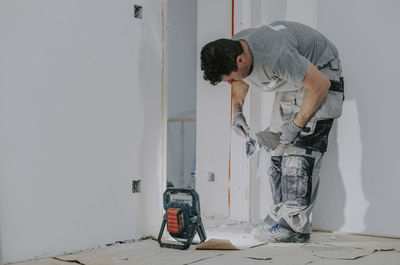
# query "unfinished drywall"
(367, 147)
(152, 149)
(80, 113)
(213, 114)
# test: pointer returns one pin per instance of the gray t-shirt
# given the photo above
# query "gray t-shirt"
(281, 52)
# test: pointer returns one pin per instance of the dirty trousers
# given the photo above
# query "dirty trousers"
(294, 181)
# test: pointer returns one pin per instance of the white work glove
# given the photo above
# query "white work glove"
(239, 124)
(289, 132)
(251, 146)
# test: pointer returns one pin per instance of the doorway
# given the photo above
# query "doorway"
(181, 55)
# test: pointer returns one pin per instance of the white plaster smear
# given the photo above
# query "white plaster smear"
(240, 234)
(349, 137)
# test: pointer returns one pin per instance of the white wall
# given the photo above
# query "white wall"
(366, 189)
(80, 117)
(213, 113)
(181, 89)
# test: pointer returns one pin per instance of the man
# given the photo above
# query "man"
(303, 68)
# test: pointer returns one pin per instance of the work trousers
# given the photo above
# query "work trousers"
(294, 171)
(294, 181)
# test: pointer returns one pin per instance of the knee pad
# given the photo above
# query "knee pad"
(297, 180)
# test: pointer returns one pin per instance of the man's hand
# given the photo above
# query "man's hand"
(239, 124)
(289, 132)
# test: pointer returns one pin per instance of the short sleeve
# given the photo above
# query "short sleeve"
(290, 66)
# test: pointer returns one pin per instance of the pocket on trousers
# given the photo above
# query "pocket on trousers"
(286, 110)
(331, 107)
(297, 180)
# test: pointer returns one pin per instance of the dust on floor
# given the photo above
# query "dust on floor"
(324, 248)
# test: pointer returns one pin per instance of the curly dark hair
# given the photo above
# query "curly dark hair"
(219, 58)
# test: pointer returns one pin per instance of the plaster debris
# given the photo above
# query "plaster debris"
(343, 251)
(120, 242)
(120, 258)
(216, 244)
(344, 254)
(258, 258)
(364, 249)
(69, 260)
(288, 245)
(385, 249)
(203, 259)
(239, 234)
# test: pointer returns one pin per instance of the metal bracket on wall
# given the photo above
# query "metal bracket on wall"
(138, 11)
(135, 186)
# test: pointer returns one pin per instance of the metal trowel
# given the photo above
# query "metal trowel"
(268, 140)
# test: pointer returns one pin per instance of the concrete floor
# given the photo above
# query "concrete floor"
(323, 248)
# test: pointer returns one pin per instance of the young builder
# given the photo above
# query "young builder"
(303, 68)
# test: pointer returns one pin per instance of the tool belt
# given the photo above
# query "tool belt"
(337, 86)
(318, 139)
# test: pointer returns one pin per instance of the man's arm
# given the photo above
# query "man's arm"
(239, 92)
(317, 87)
(239, 124)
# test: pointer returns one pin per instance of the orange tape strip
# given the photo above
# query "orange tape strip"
(230, 145)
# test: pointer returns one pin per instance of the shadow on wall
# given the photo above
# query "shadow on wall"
(150, 128)
(329, 207)
(368, 48)
(379, 124)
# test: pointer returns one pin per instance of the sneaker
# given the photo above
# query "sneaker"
(287, 235)
(279, 233)
(299, 238)
(259, 234)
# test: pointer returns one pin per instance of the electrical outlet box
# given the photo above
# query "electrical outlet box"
(211, 176)
(135, 186)
(138, 11)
